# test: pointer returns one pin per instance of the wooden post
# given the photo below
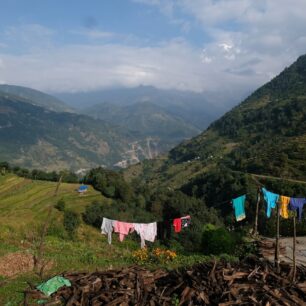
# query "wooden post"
(58, 185)
(276, 258)
(255, 230)
(294, 248)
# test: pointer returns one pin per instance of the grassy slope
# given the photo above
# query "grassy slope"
(24, 201)
(23, 207)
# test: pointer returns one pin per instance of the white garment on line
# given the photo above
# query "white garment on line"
(107, 228)
(147, 231)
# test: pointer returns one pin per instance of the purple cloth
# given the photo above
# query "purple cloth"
(297, 204)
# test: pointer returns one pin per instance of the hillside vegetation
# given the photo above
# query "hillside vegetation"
(35, 97)
(39, 131)
(146, 120)
(265, 134)
(24, 207)
(33, 137)
(24, 202)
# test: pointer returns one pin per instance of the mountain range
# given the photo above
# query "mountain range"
(35, 137)
(38, 130)
(145, 120)
(263, 135)
(196, 109)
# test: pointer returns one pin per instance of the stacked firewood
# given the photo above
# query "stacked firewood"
(251, 282)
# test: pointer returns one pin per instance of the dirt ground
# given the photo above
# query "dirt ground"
(16, 263)
(300, 250)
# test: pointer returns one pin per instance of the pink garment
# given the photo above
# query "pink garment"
(123, 228)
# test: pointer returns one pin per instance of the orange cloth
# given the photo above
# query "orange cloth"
(284, 201)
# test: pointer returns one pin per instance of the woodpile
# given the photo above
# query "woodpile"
(250, 282)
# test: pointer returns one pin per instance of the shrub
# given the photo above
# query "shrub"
(217, 241)
(93, 214)
(60, 205)
(71, 222)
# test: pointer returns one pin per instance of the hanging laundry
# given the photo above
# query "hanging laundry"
(123, 228)
(284, 202)
(186, 221)
(107, 228)
(147, 231)
(297, 204)
(238, 204)
(177, 223)
(271, 199)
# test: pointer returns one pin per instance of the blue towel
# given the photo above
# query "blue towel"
(271, 199)
(238, 205)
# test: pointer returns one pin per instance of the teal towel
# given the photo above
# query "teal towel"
(238, 205)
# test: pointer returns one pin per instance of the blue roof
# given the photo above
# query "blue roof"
(83, 187)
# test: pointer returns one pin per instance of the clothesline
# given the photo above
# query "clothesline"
(271, 199)
(146, 231)
(270, 177)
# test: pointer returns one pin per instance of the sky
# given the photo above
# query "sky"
(224, 46)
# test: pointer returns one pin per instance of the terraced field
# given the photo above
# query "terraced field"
(24, 202)
(24, 205)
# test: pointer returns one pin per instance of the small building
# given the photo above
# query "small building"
(83, 189)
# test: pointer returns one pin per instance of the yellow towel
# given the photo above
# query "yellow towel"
(284, 201)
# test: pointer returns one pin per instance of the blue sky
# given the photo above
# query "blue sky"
(131, 21)
(227, 46)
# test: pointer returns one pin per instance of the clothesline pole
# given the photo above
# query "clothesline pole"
(256, 215)
(276, 258)
(294, 248)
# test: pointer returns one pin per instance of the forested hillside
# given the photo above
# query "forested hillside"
(146, 120)
(34, 137)
(264, 135)
(197, 109)
(35, 97)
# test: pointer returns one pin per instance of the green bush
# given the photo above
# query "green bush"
(60, 205)
(217, 241)
(71, 222)
(93, 214)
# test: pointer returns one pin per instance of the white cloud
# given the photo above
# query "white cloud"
(250, 42)
(81, 67)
